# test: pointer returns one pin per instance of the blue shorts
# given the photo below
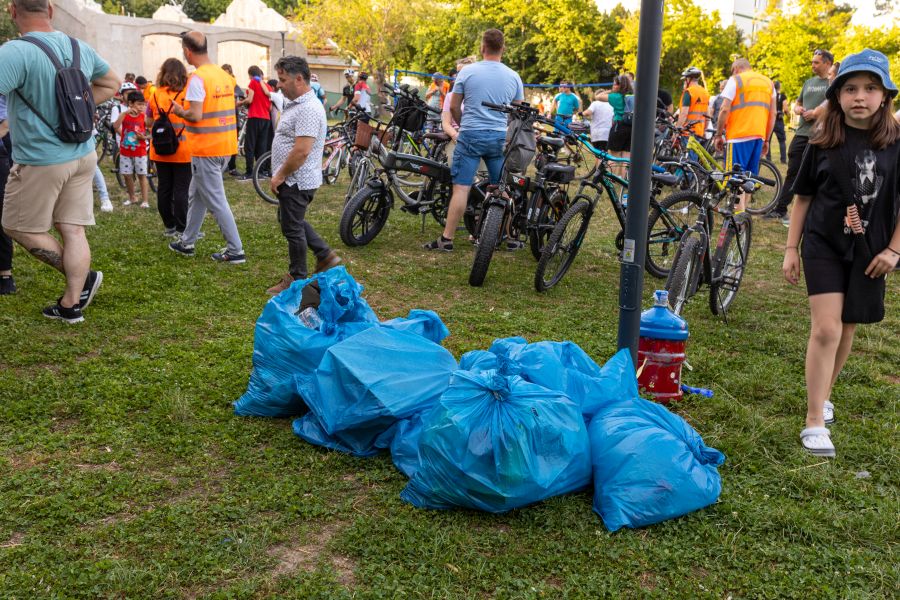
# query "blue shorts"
(564, 120)
(746, 154)
(473, 146)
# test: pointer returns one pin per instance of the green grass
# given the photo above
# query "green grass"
(123, 472)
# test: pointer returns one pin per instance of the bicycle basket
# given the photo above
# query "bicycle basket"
(364, 133)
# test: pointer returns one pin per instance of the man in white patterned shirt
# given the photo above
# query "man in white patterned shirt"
(297, 169)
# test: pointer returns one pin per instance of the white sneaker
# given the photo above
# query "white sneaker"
(128, 203)
(106, 206)
(145, 205)
(828, 412)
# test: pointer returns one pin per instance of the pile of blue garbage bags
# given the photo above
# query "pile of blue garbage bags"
(501, 429)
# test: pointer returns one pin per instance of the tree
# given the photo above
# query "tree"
(139, 8)
(376, 33)
(204, 11)
(783, 49)
(7, 28)
(690, 37)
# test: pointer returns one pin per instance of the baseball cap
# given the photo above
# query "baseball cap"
(867, 61)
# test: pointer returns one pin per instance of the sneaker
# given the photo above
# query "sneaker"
(106, 205)
(61, 313)
(145, 205)
(514, 245)
(282, 285)
(329, 261)
(182, 249)
(786, 222)
(7, 285)
(244, 178)
(773, 215)
(234, 173)
(170, 232)
(91, 285)
(224, 256)
(128, 202)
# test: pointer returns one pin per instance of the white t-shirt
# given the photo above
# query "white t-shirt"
(195, 90)
(729, 93)
(601, 120)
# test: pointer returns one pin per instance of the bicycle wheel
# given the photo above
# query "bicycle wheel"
(729, 262)
(360, 176)
(563, 246)
(474, 206)
(550, 213)
(685, 275)
(440, 198)
(120, 179)
(491, 229)
(333, 165)
(262, 173)
(364, 215)
(764, 198)
(151, 175)
(668, 222)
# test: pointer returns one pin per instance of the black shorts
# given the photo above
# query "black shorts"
(620, 137)
(826, 276)
(599, 144)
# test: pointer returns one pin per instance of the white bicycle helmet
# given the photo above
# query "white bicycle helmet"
(127, 87)
(349, 73)
(692, 72)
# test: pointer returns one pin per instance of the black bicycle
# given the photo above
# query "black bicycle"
(721, 267)
(522, 208)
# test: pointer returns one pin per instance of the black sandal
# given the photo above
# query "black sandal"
(442, 244)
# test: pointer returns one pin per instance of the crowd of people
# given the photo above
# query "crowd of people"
(842, 162)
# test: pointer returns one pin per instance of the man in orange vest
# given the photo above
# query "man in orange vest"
(210, 129)
(746, 119)
(694, 102)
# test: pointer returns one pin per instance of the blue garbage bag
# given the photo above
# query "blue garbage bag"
(368, 382)
(496, 442)
(426, 323)
(561, 366)
(649, 465)
(283, 346)
(405, 444)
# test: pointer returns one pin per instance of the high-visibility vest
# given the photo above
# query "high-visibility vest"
(749, 115)
(215, 134)
(698, 108)
(148, 92)
(162, 101)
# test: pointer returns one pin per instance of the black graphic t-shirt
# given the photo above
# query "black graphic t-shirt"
(874, 179)
(348, 92)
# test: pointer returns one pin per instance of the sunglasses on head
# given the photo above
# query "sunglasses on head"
(824, 54)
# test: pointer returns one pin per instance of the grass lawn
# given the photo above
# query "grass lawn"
(123, 472)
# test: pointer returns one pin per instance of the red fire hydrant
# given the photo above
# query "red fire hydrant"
(661, 351)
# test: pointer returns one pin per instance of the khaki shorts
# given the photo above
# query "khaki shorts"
(39, 196)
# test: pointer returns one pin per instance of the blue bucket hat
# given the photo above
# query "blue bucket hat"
(868, 61)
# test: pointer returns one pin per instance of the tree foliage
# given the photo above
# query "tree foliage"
(7, 27)
(546, 41)
(138, 8)
(690, 37)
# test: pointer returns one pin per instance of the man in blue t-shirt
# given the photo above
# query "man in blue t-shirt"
(482, 132)
(565, 104)
(50, 184)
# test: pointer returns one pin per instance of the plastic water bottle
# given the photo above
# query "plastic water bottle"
(625, 200)
(661, 351)
(309, 316)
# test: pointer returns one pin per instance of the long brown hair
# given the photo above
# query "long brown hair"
(885, 129)
(172, 75)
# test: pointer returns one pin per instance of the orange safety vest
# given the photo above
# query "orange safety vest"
(162, 100)
(749, 115)
(698, 108)
(215, 134)
(148, 92)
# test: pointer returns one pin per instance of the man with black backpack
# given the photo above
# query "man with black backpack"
(51, 83)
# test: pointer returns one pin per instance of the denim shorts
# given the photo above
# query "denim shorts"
(471, 148)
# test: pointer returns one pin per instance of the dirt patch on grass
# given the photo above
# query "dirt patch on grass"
(893, 379)
(15, 540)
(111, 467)
(305, 556)
(647, 581)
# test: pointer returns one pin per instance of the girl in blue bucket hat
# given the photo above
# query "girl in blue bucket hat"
(844, 226)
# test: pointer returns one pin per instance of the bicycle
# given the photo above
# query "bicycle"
(568, 235)
(696, 159)
(366, 213)
(120, 178)
(104, 135)
(722, 268)
(520, 206)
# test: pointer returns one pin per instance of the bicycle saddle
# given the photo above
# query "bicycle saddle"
(551, 141)
(665, 178)
(439, 136)
(563, 170)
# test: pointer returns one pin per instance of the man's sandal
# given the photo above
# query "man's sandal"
(442, 244)
(817, 441)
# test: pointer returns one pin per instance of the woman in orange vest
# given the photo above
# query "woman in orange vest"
(173, 171)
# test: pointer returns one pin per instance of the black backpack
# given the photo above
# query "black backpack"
(74, 97)
(162, 134)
